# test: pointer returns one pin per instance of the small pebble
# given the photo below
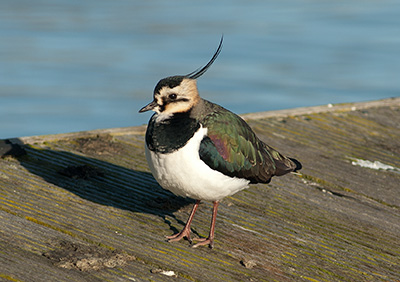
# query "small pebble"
(164, 272)
(248, 263)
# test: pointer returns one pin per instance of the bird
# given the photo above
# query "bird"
(200, 150)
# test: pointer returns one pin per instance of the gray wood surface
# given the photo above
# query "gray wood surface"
(84, 207)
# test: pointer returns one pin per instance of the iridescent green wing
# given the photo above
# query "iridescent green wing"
(232, 148)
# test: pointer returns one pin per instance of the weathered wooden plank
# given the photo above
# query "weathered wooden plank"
(84, 207)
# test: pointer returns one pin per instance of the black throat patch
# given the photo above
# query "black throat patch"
(170, 134)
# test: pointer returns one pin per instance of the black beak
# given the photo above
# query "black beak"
(148, 107)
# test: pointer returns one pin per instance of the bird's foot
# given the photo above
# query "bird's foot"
(203, 242)
(178, 236)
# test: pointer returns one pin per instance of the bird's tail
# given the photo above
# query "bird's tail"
(297, 164)
(286, 165)
(283, 164)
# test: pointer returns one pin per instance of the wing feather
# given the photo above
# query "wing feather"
(232, 148)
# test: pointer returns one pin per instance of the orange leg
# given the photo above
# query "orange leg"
(210, 240)
(186, 230)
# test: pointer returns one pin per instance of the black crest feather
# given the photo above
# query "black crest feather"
(199, 72)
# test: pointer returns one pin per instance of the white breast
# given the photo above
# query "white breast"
(185, 174)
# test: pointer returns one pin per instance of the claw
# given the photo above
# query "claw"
(179, 236)
(203, 242)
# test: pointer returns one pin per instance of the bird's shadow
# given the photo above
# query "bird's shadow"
(102, 182)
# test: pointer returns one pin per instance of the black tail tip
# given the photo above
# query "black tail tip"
(297, 163)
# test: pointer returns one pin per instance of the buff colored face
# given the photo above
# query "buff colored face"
(177, 99)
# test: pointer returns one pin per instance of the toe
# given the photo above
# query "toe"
(203, 242)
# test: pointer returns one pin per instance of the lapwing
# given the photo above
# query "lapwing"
(200, 150)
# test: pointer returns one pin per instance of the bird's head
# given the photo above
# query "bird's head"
(174, 94)
(177, 94)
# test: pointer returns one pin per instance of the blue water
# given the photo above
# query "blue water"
(71, 65)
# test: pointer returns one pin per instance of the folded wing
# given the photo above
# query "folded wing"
(232, 148)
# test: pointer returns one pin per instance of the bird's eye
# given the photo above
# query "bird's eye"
(172, 96)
